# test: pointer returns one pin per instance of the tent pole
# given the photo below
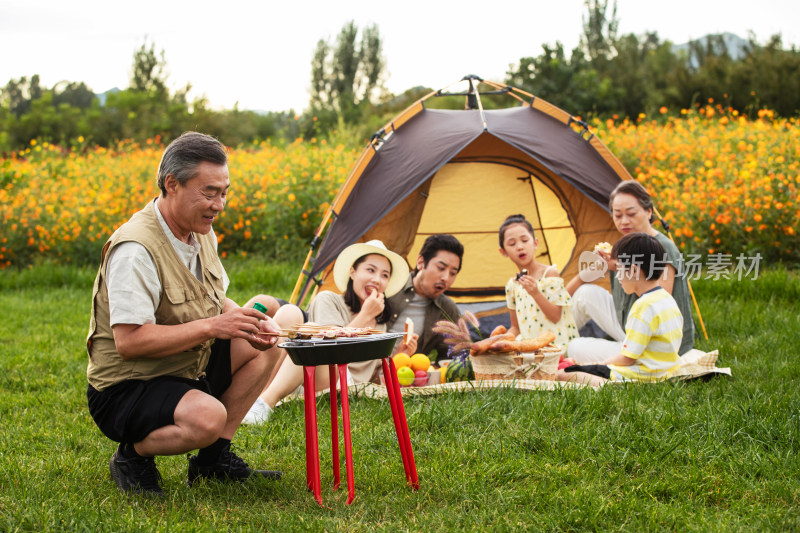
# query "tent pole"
(688, 283)
(473, 93)
(697, 308)
(296, 290)
(313, 247)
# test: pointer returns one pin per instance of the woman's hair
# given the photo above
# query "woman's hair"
(354, 303)
(642, 250)
(510, 221)
(637, 190)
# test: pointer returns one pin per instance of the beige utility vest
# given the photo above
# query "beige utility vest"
(183, 299)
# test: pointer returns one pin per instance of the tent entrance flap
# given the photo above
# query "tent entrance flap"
(459, 203)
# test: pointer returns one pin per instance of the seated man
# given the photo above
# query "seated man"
(173, 363)
(423, 300)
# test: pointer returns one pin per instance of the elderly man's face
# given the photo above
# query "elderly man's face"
(201, 199)
(438, 275)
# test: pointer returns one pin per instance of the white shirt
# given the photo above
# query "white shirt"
(134, 289)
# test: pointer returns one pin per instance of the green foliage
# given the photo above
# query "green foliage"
(147, 109)
(566, 82)
(599, 39)
(149, 70)
(346, 76)
(629, 75)
(77, 95)
(765, 78)
(18, 94)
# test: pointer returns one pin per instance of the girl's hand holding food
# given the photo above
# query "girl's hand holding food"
(373, 305)
(529, 284)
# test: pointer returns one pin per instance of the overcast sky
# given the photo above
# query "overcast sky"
(259, 53)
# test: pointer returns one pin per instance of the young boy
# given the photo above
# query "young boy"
(654, 329)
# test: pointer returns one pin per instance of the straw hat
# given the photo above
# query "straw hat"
(348, 256)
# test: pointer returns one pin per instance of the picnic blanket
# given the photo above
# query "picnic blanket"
(693, 364)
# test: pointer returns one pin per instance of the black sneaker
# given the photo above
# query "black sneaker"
(229, 467)
(137, 475)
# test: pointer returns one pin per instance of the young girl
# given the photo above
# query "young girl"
(536, 296)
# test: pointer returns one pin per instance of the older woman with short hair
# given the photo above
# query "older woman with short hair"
(632, 210)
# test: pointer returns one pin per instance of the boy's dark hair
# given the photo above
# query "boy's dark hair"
(642, 250)
(514, 219)
(352, 301)
(435, 243)
(637, 190)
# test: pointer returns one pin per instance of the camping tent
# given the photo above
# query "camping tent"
(462, 172)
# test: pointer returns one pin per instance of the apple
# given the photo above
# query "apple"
(405, 376)
(420, 378)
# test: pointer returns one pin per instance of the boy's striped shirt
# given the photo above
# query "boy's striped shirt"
(653, 335)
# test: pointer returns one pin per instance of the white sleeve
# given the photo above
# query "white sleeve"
(225, 280)
(133, 286)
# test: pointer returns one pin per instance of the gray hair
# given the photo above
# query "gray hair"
(184, 155)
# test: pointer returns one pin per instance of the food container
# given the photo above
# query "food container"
(542, 365)
(342, 350)
(434, 378)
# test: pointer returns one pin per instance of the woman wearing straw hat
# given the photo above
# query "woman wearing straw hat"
(367, 274)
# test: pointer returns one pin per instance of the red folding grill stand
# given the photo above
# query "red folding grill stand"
(312, 444)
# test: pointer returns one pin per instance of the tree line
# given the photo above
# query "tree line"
(606, 75)
(71, 113)
(626, 75)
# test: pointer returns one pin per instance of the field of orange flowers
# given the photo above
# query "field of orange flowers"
(63, 204)
(725, 184)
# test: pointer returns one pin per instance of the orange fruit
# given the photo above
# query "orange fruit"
(420, 361)
(401, 359)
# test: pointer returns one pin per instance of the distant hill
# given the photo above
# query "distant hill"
(102, 96)
(735, 46)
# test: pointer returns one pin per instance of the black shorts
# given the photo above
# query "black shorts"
(132, 409)
(596, 370)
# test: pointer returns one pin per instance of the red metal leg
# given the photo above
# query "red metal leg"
(348, 445)
(400, 421)
(312, 445)
(390, 378)
(334, 427)
(309, 431)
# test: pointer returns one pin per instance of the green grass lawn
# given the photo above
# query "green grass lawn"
(713, 455)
